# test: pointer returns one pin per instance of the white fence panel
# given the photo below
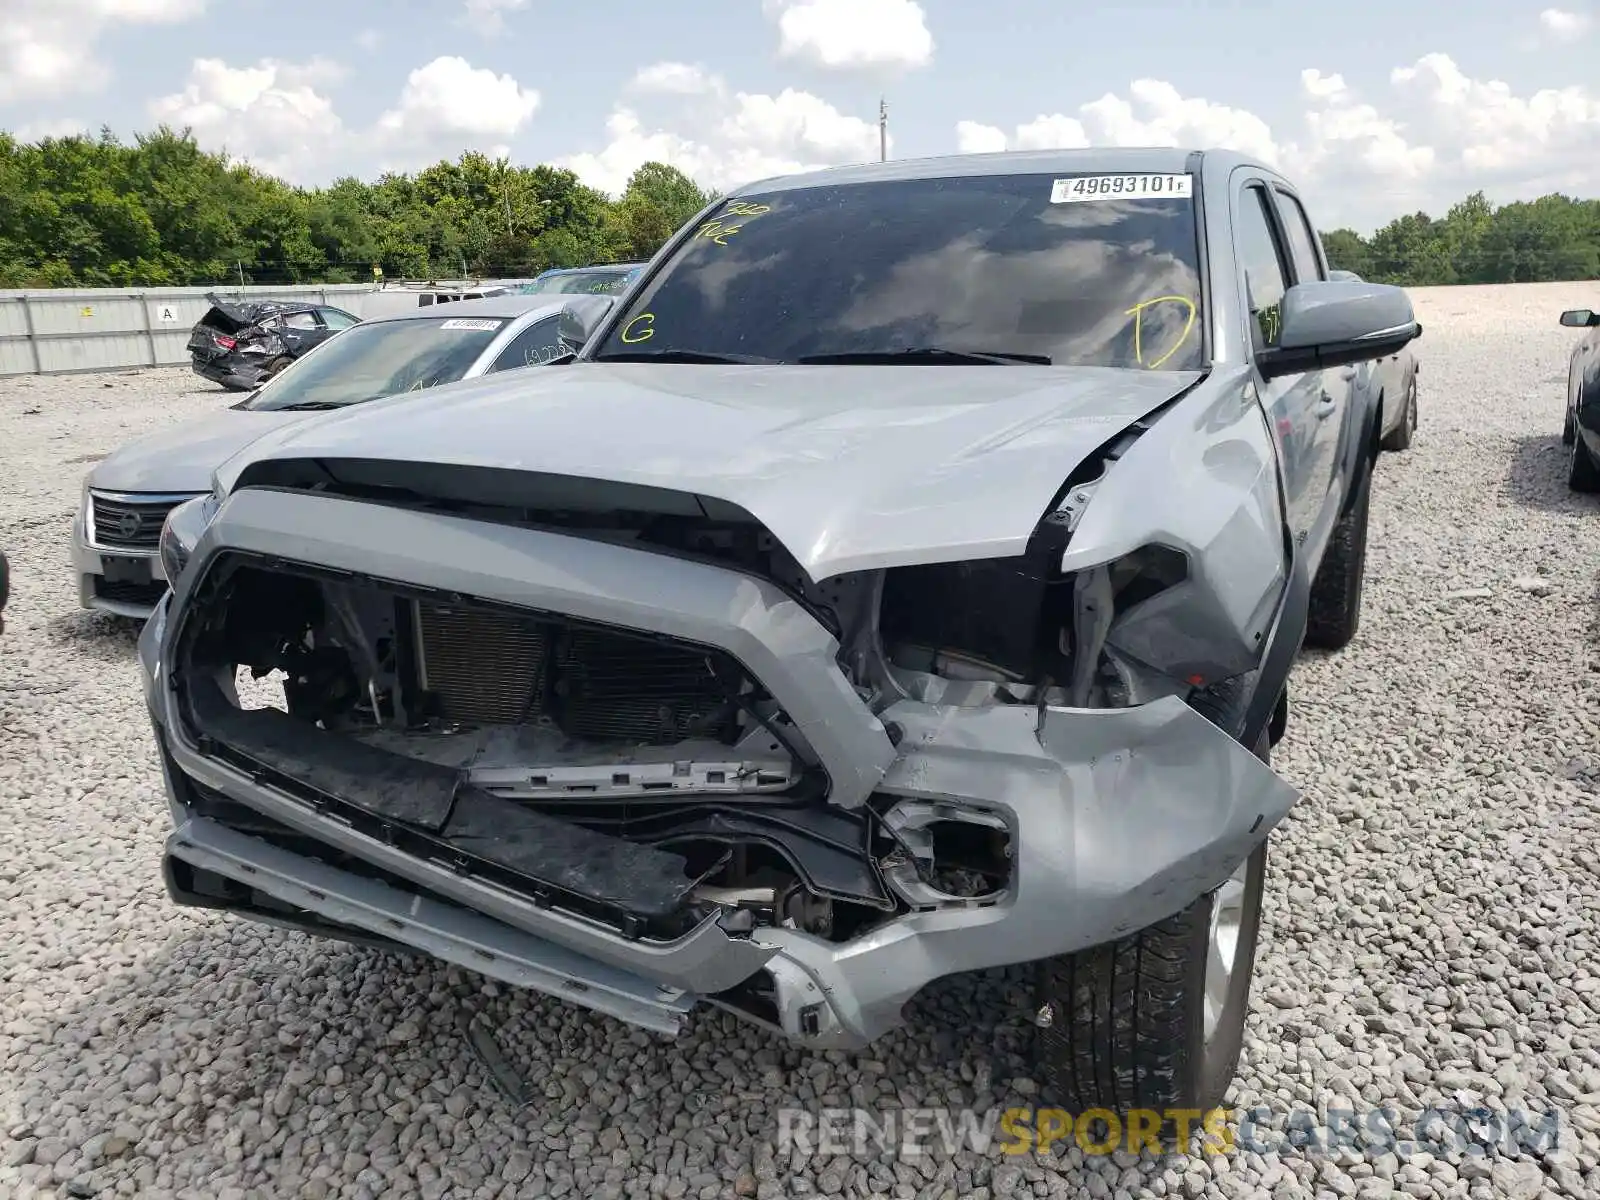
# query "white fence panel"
(111, 329)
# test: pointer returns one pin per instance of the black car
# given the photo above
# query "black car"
(1581, 428)
(243, 343)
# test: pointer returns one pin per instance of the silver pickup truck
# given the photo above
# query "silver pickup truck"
(903, 578)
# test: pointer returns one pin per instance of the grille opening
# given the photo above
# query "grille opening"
(580, 707)
(129, 524)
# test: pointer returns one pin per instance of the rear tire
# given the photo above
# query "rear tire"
(1399, 438)
(1335, 607)
(1129, 1026)
(275, 367)
(1583, 472)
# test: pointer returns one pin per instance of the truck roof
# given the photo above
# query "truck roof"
(1162, 160)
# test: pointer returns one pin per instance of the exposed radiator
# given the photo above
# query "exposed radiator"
(486, 667)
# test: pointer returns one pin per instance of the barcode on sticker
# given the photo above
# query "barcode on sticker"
(1121, 187)
(470, 323)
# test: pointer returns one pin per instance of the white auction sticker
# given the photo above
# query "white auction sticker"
(1121, 187)
(470, 323)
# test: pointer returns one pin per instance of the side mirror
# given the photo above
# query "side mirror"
(581, 316)
(1579, 318)
(1334, 323)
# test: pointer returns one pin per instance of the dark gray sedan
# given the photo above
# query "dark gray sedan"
(1581, 428)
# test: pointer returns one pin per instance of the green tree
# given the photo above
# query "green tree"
(93, 210)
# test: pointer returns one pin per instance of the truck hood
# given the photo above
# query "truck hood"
(182, 458)
(850, 467)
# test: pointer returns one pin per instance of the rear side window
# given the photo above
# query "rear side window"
(1264, 276)
(1302, 241)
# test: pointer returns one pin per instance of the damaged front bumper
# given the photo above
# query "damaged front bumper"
(1113, 818)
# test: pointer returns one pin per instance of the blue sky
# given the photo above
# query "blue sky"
(1376, 108)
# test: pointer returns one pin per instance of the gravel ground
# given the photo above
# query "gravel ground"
(1430, 938)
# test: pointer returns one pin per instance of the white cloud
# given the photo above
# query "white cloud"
(720, 137)
(1498, 140)
(271, 115)
(1436, 136)
(37, 131)
(47, 47)
(1155, 115)
(853, 35)
(448, 106)
(278, 117)
(974, 137)
(488, 16)
(1349, 138)
(675, 79)
(1564, 24)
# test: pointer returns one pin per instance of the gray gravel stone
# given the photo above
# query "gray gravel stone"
(1431, 905)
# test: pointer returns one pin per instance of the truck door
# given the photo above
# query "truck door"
(1294, 404)
(1338, 403)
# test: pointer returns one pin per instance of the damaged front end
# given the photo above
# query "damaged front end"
(614, 744)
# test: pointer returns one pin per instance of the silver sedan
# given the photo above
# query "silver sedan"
(127, 496)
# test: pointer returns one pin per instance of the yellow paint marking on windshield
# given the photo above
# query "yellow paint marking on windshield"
(645, 321)
(719, 230)
(1137, 313)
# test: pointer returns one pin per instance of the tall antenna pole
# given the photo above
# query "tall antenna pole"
(883, 130)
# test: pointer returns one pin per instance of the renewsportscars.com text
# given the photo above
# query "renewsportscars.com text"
(909, 1132)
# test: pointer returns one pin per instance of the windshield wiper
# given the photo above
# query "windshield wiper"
(309, 406)
(928, 354)
(681, 356)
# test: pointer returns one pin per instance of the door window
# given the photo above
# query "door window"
(1302, 241)
(335, 318)
(1265, 278)
(533, 347)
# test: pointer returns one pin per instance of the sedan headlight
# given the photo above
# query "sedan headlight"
(182, 531)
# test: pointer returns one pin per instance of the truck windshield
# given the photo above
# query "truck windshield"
(1082, 270)
(380, 358)
(607, 281)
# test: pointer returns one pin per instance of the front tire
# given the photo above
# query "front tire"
(1583, 472)
(1156, 1020)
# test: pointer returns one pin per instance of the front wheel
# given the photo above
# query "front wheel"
(1583, 472)
(1156, 1020)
